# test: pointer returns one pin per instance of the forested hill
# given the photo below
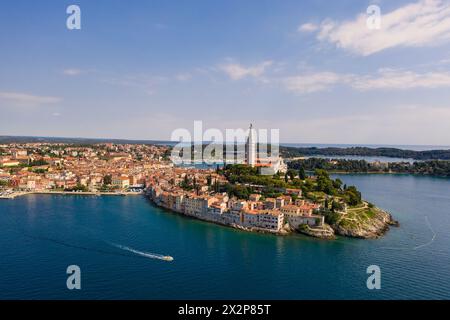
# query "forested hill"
(433, 167)
(291, 152)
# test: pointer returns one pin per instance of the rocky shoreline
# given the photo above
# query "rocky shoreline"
(282, 232)
(376, 227)
(372, 228)
(325, 232)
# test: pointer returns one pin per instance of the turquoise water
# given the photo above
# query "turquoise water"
(42, 235)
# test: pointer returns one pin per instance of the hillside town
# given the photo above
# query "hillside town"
(256, 213)
(114, 169)
(41, 167)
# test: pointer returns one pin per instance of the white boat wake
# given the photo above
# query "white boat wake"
(143, 253)
(420, 246)
(432, 239)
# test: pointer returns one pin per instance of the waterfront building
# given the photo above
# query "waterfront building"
(122, 182)
(197, 205)
(217, 208)
(179, 203)
(237, 205)
(295, 221)
(299, 215)
(270, 220)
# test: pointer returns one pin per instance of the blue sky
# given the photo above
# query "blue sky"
(141, 69)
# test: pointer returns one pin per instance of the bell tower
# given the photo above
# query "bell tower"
(250, 147)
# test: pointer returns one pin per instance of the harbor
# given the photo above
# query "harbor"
(11, 194)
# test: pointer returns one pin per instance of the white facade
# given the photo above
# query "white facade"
(264, 219)
(250, 148)
(296, 221)
(194, 206)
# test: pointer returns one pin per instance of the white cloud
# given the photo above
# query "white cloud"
(312, 82)
(24, 99)
(308, 27)
(384, 79)
(183, 77)
(236, 71)
(443, 61)
(72, 72)
(391, 124)
(147, 83)
(394, 79)
(425, 23)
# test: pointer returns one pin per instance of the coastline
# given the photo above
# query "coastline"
(379, 226)
(362, 227)
(375, 229)
(282, 232)
(204, 245)
(67, 193)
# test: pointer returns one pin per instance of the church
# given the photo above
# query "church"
(266, 166)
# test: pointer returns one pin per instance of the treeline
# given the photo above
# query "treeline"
(242, 177)
(290, 152)
(239, 175)
(434, 167)
(323, 183)
(243, 174)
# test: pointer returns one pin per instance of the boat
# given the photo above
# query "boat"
(167, 258)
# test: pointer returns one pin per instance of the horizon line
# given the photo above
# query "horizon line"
(305, 144)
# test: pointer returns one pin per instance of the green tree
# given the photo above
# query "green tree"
(291, 174)
(337, 183)
(107, 180)
(336, 206)
(353, 196)
(302, 173)
(324, 183)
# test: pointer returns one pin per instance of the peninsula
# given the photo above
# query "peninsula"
(235, 195)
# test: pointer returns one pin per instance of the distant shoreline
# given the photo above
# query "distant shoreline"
(434, 168)
(384, 173)
(5, 139)
(362, 152)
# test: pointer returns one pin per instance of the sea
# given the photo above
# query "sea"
(119, 244)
